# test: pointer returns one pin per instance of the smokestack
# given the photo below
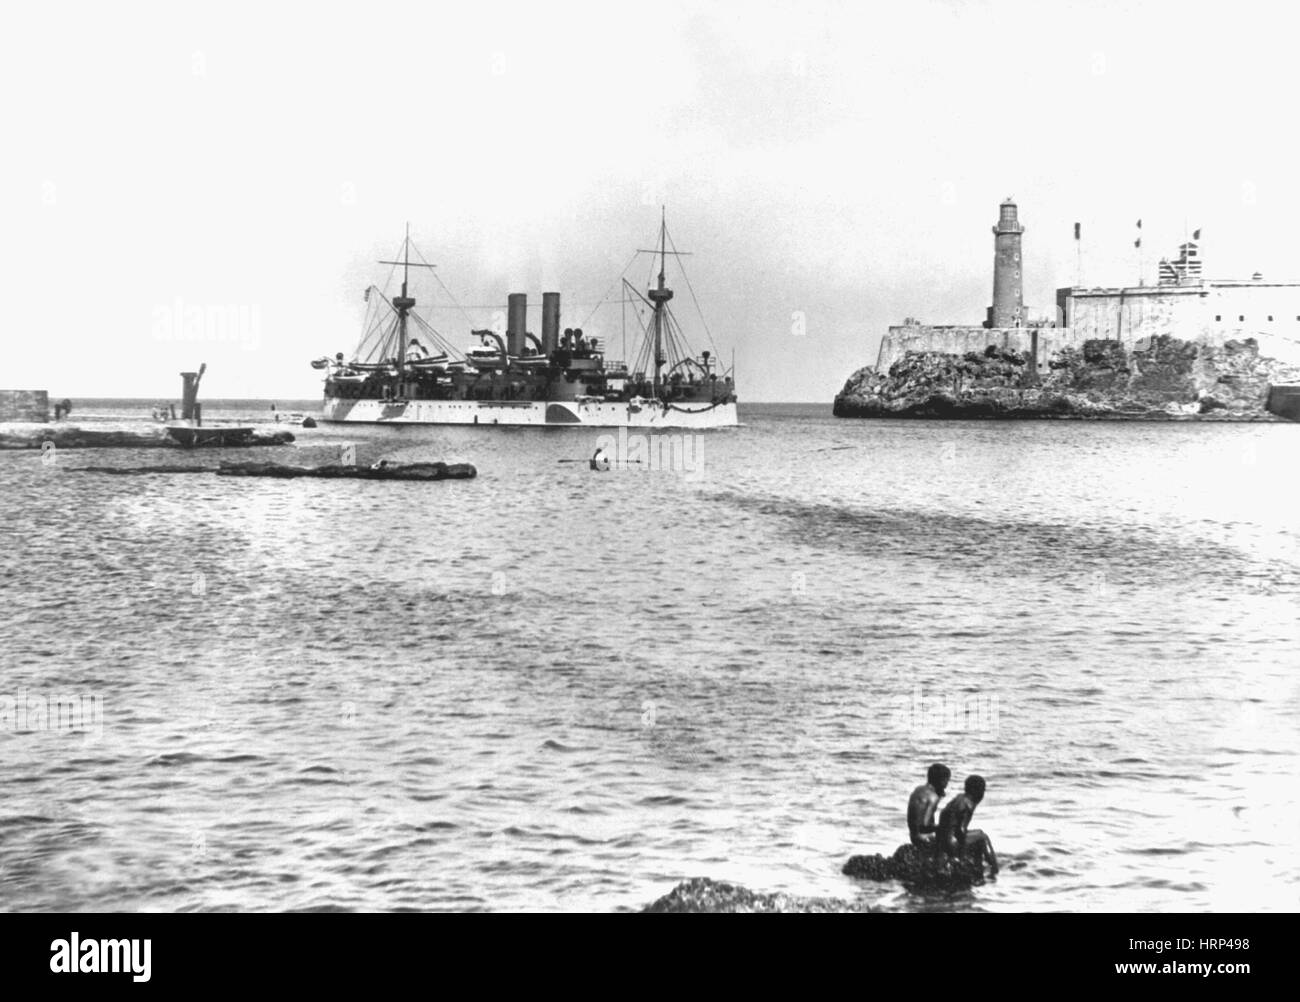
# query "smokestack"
(550, 322)
(516, 322)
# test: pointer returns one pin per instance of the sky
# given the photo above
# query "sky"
(217, 183)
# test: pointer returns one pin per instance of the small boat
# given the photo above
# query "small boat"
(192, 436)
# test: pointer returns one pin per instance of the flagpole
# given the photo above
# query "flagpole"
(1138, 246)
(1182, 278)
(1078, 254)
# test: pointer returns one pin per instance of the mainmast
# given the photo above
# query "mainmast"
(403, 304)
(660, 296)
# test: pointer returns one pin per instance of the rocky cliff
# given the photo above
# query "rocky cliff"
(1162, 378)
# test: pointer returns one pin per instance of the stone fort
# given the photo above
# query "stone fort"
(1182, 304)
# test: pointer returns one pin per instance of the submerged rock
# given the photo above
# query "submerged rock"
(701, 894)
(335, 471)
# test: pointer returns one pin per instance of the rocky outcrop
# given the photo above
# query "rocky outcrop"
(917, 871)
(907, 865)
(704, 895)
(1162, 378)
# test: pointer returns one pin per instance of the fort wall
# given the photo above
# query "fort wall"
(1207, 312)
(961, 339)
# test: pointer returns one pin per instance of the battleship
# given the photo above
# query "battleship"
(405, 371)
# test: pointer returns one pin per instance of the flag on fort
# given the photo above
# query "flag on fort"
(1139, 224)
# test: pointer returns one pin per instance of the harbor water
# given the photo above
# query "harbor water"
(555, 689)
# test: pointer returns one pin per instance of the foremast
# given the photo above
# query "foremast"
(403, 304)
(660, 296)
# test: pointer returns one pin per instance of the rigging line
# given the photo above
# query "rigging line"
(425, 261)
(376, 345)
(366, 337)
(611, 288)
(637, 297)
(372, 325)
(642, 323)
(424, 325)
(443, 285)
(434, 339)
(392, 270)
(380, 338)
(679, 348)
(389, 343)
(695, 300)
(384, 304)
(531, 306)
(371, 332)
(642, 347)
(438, 339)
(463, 312)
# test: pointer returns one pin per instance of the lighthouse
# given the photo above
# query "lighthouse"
(1008, 307)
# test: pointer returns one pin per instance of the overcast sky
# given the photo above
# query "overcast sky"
(840, 162)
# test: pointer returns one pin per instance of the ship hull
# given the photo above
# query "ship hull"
(531, 413)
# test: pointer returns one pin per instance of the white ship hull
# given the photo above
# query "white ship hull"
(555, 413)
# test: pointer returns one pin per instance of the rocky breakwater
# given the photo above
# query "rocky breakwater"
(108, 435)
(1161, 378)
(704, 895)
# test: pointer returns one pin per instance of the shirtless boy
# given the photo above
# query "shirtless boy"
(955, 836)
(922, 805)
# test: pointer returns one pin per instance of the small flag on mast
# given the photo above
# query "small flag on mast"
(1196, 234)
(1077, 227)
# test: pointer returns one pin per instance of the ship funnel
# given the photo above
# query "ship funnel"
(550, 322)
(516, 322)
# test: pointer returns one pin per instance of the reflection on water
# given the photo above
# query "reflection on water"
(553, 689)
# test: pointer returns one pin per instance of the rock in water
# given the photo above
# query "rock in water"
(701, 894)
(1164, 379)
(873, 867)
(918, 870)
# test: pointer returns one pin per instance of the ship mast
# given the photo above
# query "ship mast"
(660, 296)
(403, 304)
